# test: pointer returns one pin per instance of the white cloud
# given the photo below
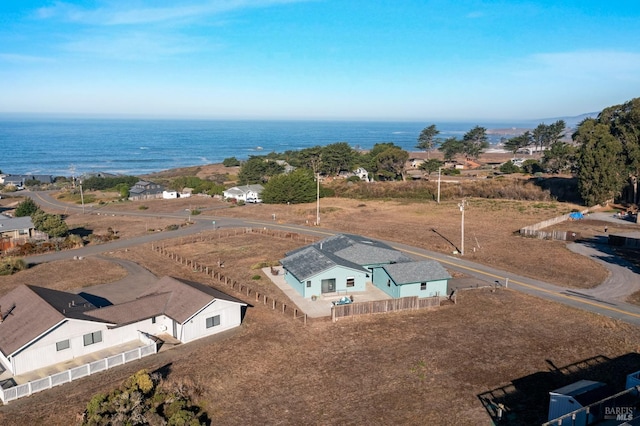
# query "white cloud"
(137, 46)
(23, 59)
(117, 14)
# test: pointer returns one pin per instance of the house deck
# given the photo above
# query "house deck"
(67, 365)
(322, 306)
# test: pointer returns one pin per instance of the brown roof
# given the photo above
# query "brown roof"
(135, 310)
(178, 299)
(187, 297)
(29, 311)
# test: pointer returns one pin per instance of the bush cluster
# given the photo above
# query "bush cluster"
(12, 265)
(144, 400)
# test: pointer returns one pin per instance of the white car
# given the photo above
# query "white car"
(254, 200)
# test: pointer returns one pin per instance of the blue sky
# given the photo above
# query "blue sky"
(319, 59)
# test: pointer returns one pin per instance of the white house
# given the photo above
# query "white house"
(41, 327)
(244, 192)
(362, 173)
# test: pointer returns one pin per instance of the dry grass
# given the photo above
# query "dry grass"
(490, 227)
(421, 367)
(65, 275)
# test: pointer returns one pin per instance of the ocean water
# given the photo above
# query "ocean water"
(62, 147)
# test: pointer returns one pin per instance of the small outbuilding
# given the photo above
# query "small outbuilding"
(406, 279)
(575, 396)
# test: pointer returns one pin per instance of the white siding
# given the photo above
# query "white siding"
(196, 327)
(42, 352)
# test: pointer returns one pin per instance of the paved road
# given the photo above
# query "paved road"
(603, 300)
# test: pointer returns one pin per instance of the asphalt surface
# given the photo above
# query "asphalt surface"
(606, 299)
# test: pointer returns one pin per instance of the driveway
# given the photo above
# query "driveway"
(138, 279)
(623, 278)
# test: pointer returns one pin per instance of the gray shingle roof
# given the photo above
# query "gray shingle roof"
(357, 249)
(364, 254)
(311, 261)
(414, 272)
(14, 223)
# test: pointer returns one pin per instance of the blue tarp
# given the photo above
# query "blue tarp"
(576, 215)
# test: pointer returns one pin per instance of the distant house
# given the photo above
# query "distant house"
(145, 190)
(15, 231)
(288, 168)
(362, 173)
(40, 327)
(416, 162)
(20, 181)
(347, 262)
(168, 195)
(244, 192)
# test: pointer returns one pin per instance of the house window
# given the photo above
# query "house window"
(213, 321)
(308, 284)
(423, 286)
(91, 338)
(60, 346)
(351, 282)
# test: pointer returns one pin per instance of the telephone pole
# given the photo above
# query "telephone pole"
(462, 205)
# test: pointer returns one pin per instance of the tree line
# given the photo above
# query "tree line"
(608, 155)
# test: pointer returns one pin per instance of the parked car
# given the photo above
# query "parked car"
(254, 200)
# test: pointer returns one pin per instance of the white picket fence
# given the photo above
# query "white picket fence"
(76, 373)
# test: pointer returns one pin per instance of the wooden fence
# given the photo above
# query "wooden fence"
(535, 229)
(383, 306)
(246, 289)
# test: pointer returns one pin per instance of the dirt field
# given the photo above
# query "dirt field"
(65, 275)
(419, 367)
(490, 227)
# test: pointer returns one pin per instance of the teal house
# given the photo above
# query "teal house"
(345, 263)
(423, 279)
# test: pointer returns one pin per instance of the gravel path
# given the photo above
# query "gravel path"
(624, 279)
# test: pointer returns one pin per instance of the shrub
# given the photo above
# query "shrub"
(142, 400)
(12, 265)
(230, 162)
(509, 168)
(26, 208)
(142, 207)
(256, 277)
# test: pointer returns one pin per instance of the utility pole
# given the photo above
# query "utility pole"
(82, 197)
(439, 172)
(315, 164)
(318, 200)
(462, 205)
